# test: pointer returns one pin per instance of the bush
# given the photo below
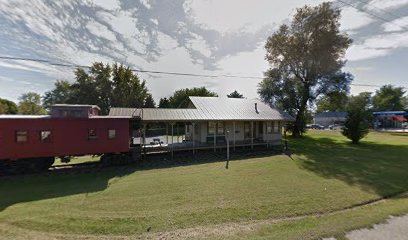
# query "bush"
(356, 125)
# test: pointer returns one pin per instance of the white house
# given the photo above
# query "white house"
(212, 121)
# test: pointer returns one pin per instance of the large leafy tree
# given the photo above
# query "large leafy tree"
(180, 97)
(164, 103)
(235, 94)
(127, 90)
(30, 104)
(332, 102)
(389, 98)
(304, 56)
(149, 102)
(358, 117)
(62, 93)
(7, 107)
(103, 85)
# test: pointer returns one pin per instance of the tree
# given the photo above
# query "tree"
(235, 94)
(128, 89)
(7, 107)
(62, 93)
(389, 98)
(149, 102)
(358, 117)
(164, 103)
(30, 104)
(180, 97)
(332, 102)
(308, 53)
(103, 85)
(94, 86)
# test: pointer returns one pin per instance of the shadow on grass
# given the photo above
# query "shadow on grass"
(27, 188)
(374, 167)
(186, 158)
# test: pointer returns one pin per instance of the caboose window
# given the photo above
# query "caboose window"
(92, 134)
(45, 136)
(111, 133)
(21, 136)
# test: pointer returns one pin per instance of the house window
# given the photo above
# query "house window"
(92, 134)
(45, 136)
(269, 127)
(211, 128)
(21, 136)
(111, 133)
(220, 128)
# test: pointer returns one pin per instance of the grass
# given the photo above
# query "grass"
(324, 176)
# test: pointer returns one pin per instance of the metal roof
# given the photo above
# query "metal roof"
(208, 108)
(395, 113)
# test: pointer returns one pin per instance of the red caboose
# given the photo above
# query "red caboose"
(70, 130)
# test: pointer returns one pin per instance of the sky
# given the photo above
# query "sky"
(213, 37)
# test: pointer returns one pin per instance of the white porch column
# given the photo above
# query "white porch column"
(252, 134)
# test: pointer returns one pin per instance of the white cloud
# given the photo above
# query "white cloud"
(121, 21)
(231, 15)
(396, 25)
(377, 46)
(352, 19)
(107, 4)
(200, 45)
(385, 4)
(100, 30)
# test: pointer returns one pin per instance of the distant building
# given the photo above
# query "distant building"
(390, 119)
(329, 118)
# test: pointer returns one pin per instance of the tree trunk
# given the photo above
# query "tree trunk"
(300, 117)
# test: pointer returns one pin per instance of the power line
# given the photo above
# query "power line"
(374, 15)
(154, 72)
(380, 9)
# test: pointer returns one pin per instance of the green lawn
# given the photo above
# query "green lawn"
(281, 197)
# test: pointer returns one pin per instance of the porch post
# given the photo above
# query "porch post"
(177, 130)
(265, 135)
(252, 134)
(193, 137)
(233, 127)
(144, 133)
(215, 136)
(172, 140)
(167, 133)
(141, 140)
